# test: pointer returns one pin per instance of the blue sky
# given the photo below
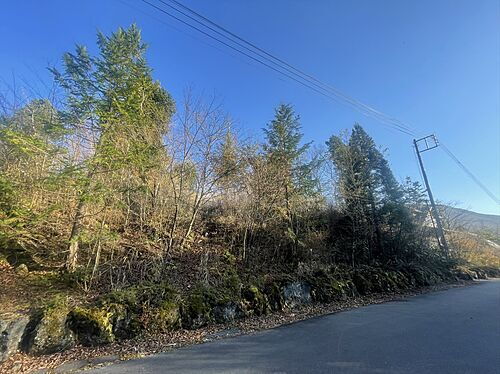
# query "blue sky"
(434, 64)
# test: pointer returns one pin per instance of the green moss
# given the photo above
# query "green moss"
(92, 325)
(231, 286)
(146, 294)
(127, 297)
(56, 311)
(197, 307)
(126, 323)
(342, 289)
(154, 295)
(146, 306)
(163, 316)
(255, 301)
(229, 258)
(274, 295)
(166, 317)
(47, 331)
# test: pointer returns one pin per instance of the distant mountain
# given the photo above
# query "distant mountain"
(463, 219)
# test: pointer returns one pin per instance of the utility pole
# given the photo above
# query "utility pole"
(430, 142)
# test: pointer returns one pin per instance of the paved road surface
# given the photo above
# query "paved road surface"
(454, 331)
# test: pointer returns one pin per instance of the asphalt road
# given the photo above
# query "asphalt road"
(453, 331)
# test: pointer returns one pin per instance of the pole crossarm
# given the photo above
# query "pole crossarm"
(429, 141)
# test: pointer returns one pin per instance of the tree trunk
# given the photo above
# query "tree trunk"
(173, 229)
(71, 259)
(376, 223)
(196, 208)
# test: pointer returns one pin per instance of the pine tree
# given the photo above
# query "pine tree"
(114, 104)
(29, 160)
(285, 155)
(372, 197)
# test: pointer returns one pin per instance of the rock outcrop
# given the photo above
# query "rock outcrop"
(48, 331)
(227, 312)
(11, 334)
(92, 326)
(296, 293)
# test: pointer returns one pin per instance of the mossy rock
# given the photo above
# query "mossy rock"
(254, 301)
(200, 306)
(463, 273)
(272, 291)
(142, 295)
(480, 274)
(125, 322)
(231, 287)
(93, 326)
(126, 297)
(18, 256)
(146, 306)
(169, 315)
(196, 310)
(48, 332)
(22, 269)
(228, 312)
(166, 317)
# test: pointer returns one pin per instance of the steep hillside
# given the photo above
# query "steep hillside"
(458, 218)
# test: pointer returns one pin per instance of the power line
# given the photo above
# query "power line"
(194, 37)
(290, 72)
(281, 63)
(282, 67)
(469, 174)
(232, 47)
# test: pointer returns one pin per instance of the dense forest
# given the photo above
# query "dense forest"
(113, 185)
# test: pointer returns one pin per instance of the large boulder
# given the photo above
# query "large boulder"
(196, 311)
(125, 321)
(147, 306)
(227, 312)
(296, 293)
(164, 317)
(93, 326)
(48, 331)
(11, 334)
(206, 305)
(254, 301)
(272, 291)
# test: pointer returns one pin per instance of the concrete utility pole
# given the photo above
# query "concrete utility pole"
(430, 142)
